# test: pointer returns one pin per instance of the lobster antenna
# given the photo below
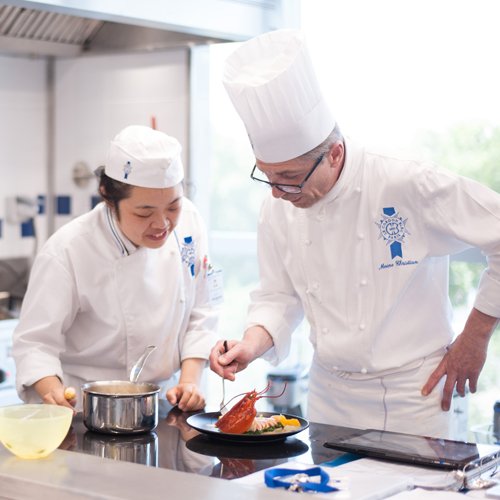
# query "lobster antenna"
(277, 395)
(268, 386)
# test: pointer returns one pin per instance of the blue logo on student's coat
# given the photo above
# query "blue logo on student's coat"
(393, 230)
(188, 253)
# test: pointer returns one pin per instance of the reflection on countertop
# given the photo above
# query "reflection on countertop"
(175, 445)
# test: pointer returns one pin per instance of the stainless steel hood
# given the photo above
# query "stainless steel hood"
(74, 27)
(31, 32)
(25, 31)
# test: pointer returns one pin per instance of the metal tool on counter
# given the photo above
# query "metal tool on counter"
(222, 403)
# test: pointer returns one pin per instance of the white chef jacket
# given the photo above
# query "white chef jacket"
(95, 301)
(368, 264)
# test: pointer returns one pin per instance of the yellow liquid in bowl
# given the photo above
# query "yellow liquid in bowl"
(34, 430)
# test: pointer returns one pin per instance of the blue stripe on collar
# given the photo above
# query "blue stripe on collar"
(116, 234)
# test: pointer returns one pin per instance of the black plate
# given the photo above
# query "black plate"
(205, 423)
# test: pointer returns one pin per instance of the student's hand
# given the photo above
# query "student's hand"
(186, 396)
(51, 391)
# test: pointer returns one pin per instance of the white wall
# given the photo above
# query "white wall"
(22, 143)
(95, 97)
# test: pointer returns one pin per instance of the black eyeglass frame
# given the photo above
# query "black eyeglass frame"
(295, 188)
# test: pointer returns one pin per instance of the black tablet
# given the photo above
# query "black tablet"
(409, 448)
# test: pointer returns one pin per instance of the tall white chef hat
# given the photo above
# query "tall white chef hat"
(271, 82)
(145, 157)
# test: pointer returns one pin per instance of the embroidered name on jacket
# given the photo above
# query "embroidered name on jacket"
(393, 231)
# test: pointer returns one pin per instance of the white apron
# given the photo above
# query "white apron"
(386, 400)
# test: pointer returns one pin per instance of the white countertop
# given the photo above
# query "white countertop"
(73, 475)
(69, 475)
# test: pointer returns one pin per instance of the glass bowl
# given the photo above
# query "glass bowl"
(34, 430)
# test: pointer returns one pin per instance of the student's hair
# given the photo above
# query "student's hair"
(111, 190)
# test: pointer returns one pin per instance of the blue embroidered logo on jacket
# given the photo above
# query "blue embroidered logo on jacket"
(188, 253)
(393, 230)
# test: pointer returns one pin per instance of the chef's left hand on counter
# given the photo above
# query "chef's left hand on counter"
(186, 396)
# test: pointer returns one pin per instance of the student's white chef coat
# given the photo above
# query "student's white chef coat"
(368, 264)
(95, 301)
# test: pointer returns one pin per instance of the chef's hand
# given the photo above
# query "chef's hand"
(240, 354)
(227, 363)
(186, 396)
(464, 358)
(51, 391)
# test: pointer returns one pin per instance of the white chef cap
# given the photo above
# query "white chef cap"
(271, 82)
(145, 157)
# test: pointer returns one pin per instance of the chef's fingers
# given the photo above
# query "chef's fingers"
(234, 356)
(215, 354)
(473, 383)
(434, 378)
(460, 384)
(449, 387)
(445, 368)
(231, 370)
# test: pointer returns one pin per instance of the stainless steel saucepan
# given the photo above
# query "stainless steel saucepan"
(121, 406)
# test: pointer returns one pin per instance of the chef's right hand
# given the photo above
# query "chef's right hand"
(51, 391)
(227, 363)
(240, 354)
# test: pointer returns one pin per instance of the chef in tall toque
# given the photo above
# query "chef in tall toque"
(358, 243)
(130, 273)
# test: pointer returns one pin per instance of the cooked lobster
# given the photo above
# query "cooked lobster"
(240, 417)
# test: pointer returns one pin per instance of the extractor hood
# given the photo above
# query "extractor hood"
(31, 32)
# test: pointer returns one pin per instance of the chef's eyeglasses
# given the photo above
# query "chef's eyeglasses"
(287, 188)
